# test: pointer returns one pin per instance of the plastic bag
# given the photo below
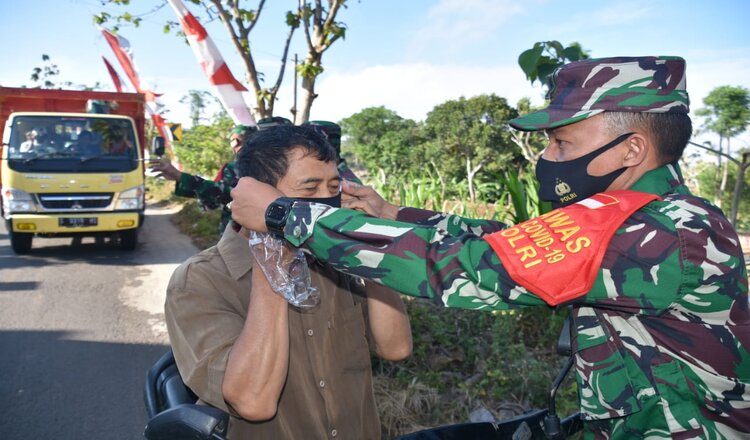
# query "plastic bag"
(286, 269)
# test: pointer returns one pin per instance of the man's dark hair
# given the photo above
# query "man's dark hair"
(265, 156)
(669, 131)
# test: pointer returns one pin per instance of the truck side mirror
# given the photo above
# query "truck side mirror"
(157, 146)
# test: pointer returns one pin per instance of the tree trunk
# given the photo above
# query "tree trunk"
(521, 139)
(307, 97)
(470, 173)
(470, 179)
(738, 188)
(724, 175)
(719, 189)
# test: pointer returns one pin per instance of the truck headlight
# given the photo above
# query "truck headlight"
(130, 199)
(15, 200)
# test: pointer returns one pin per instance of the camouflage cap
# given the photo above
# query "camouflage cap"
(332, 131)
(273, 121)
(585, 88)
(243, 130)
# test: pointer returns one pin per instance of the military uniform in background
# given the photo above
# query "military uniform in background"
(217, 193)
(333, 133)
(211, 194)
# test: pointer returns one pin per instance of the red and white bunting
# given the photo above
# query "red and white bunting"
(213, 65)
(113, 73)
(121, 47)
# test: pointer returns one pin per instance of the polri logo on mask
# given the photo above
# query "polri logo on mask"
(577, 183)
(563, 191)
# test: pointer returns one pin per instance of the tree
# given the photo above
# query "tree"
(726, 113)
(531, 143)
(203, 148)
(319, 24)
(541, 61)
(46, 77)
(743, 163)
(197, 100)
(382, 141)
(474, 130)
(321, 31)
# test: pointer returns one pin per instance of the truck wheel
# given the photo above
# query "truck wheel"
(20, 242)
(128, 239)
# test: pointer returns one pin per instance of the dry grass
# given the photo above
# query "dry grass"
(402, 409)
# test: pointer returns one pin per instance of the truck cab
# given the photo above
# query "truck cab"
(72, 173)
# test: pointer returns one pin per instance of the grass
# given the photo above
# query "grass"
(192, 220)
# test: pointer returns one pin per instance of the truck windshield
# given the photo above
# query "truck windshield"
(59, 143)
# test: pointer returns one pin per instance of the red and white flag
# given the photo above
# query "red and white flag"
(121, 47)
(213, 65)
(114, 75)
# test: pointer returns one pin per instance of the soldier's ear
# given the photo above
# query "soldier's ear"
(639, 149)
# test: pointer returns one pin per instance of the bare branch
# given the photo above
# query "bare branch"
(719, 152)
(277, 85)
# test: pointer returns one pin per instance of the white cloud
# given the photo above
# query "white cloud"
(412, 90)
(456, 23)
(617, 14)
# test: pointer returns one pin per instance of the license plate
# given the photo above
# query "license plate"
(75, 222)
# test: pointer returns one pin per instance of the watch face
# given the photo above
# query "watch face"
(276, 215)
(276, 212)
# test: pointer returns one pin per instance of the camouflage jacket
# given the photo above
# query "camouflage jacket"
(211, 194)
(662, 339)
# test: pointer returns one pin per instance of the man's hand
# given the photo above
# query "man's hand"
(366, 199)
(163, 167)
(250, 199)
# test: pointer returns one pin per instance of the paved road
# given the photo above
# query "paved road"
(79, 326)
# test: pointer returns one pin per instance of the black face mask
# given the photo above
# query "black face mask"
(334, 201)
(564, 183)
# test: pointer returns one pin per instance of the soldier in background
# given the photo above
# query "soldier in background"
(332, 131)
(215, 194)
(654, 274)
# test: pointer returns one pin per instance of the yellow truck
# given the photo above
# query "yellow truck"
(72, 164)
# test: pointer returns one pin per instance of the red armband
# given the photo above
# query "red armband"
(557, 256)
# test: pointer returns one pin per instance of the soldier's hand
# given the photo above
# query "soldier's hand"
(250, 199)
(164, 168)
(366, 199)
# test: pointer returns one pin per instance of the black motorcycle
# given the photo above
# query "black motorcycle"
(174, 415)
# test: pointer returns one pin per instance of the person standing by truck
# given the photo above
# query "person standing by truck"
(214, 194)
(211, 194)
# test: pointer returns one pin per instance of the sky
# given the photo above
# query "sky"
(408, 56)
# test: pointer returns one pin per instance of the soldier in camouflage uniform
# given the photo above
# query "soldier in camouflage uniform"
(211, 194)
(215, 194)
(661, 325)
(332, 131)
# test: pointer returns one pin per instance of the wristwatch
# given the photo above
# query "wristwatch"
(277, 214)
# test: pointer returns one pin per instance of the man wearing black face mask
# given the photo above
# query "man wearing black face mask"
(281, 372)
(656, 275)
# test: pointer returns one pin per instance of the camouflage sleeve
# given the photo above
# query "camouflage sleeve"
(210, 194)
(453, 224)
(463, 271)
(458, 271)
(346, 173)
